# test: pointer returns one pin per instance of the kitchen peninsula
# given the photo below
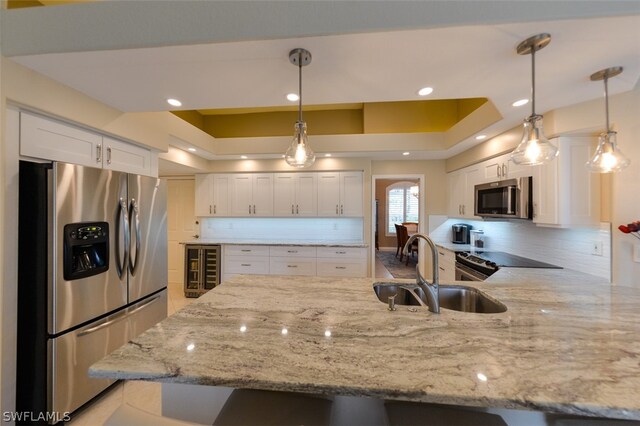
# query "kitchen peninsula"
(566, 344)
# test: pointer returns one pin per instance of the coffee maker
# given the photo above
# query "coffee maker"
(460, 233)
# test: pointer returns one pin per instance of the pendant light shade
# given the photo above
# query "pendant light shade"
(534, 148)
(607, 158)
(300, 154)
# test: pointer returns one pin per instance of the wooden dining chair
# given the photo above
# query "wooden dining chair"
(399, 242)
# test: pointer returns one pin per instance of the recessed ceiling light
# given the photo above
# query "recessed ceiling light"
(174, 102)
(282, 155)
(293, 97)
(406, 153)
(327, 155)
(481, 137)
(191, 149)
(520, 102)
(244, 157)
(425, 91)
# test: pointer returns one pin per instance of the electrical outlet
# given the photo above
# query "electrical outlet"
(636, 253)
(596, 248)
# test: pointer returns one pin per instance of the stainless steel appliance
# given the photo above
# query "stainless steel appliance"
(460, 233)
(92, 274)
(511, 198)
(480, 265)
(201, 269)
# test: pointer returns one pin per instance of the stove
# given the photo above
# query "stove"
(479, 265)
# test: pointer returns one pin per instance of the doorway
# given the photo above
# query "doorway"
(396, 199)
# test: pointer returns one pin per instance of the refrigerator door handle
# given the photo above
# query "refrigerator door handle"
(134, 220)
(120, 316)
(122, 218)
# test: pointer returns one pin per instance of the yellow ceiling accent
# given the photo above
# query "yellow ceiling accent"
(351, 118)
(233, 111)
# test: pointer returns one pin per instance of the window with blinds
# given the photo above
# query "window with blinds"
(402, 204)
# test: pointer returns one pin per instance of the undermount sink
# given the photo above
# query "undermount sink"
(455, 297)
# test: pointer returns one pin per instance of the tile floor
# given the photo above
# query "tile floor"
(147, 395)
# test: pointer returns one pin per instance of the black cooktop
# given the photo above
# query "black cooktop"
(511, 261)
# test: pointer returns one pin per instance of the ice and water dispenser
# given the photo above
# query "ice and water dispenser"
(86, 249)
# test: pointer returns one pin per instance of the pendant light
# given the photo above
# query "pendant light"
(299, 153)
(608, 158)
(534, 148)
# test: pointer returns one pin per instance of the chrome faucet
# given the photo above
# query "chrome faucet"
(432, 290)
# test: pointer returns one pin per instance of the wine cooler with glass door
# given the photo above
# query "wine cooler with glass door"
(201, 269)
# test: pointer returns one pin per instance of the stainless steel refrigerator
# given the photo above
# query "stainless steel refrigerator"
(92, 275)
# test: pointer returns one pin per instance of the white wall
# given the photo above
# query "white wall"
(569, 248)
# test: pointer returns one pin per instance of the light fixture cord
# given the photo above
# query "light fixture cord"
(300, 86)
(606, 100)
(533, 81)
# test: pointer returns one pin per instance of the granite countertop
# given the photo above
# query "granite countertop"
(564, 345)
(297, 243)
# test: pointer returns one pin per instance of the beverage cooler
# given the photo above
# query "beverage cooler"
(201, 269)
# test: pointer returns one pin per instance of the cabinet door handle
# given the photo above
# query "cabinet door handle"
(254, 209)
(441, 268)
(245, 264)
(214, 209)
(108, 155)
(341, 267)
(463, 209)
(292, 266)
(245, 250)
(209, 208)
(341, 209)
(297, 211)
(291, 208)
(498, 170)
(341, 252)
(441, 253)
(336, 209)
(99, 153)
(504, 170)
(249, 208)
(292, 251)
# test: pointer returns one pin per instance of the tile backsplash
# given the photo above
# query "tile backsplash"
(567, 247)
(290, 229)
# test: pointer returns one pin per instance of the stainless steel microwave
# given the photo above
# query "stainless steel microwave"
(511, 198)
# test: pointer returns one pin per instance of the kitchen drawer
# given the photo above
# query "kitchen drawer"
(293, 266)
(247, 250)
(446, 256)
(254, 265)
(347, 267)
(339, 252)
(446, 272)
(292, 251)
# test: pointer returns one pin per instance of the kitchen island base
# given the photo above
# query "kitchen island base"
(203, 404)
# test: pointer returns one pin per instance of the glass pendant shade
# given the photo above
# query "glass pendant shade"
(300, 153)
(607, 158)
(535, 148)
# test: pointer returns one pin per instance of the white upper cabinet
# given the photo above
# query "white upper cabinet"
(48, 139)
(501, 168)
(295, 194)
(51, 140)
(220, 206)
(461, 191)
(125, 157)
(251, 194)
(340, 194)
(351, 191)
(204, 195)
(565, 193)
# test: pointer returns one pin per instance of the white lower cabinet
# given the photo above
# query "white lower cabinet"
(446, 264)
(342, 261)
(293, 260)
